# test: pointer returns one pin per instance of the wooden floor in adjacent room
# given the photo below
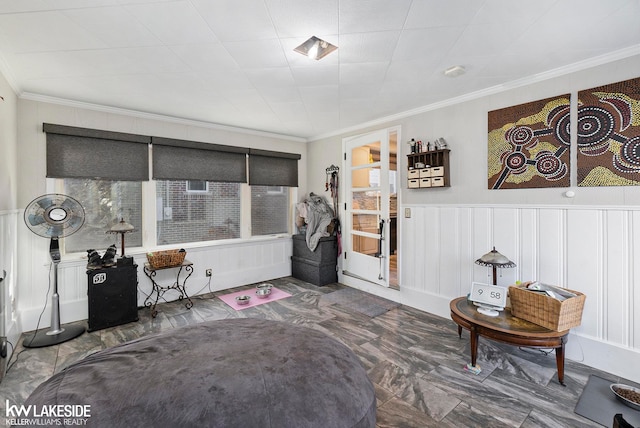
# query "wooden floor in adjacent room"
(414, 359)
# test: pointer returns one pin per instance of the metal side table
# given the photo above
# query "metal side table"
(158, 290)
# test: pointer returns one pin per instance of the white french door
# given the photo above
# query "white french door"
(366, 235)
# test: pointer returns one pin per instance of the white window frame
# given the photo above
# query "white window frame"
(149, 217)
(206, 185)
(275, 190)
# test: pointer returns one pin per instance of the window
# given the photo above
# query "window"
(276, 190)
(103, 170)
(197, 186)
(269, 210)
(105, 202)
(195, 216)
(200, 188)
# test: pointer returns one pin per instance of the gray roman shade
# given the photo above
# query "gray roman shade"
(190, 160)
(91, 153)
(268, 168)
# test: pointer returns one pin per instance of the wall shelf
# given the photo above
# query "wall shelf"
(435, 173)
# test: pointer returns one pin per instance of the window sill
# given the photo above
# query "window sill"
(142, 251)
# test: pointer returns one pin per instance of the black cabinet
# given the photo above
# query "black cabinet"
(113, 296)
(317, 267)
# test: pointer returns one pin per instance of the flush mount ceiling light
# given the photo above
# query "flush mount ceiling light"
(454, 71)
(315, 48)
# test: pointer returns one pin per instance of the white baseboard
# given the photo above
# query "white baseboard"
(601, 355)
(78, 310)
(69, 312)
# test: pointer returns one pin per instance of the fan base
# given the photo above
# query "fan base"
(42, 339)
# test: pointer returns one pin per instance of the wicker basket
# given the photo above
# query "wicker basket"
(167, 258)
(546, 311)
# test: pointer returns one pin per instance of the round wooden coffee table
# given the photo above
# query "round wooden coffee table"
(507, 329)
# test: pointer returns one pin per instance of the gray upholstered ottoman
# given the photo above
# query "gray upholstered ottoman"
(231, 373)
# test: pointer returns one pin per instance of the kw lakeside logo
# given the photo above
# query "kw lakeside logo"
(47, 415)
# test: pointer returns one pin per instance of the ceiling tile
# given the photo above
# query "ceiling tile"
(291, 111)
(368, 47)
(420, 44)
(320, 95)
(303, 18)
(270, 77)
(236, 20)
(316, 75)
(113, 25)
(12, 6)
(280, 94)
(257, 53)
(362, 16)
(363, 73)
(47, 31)
(485, 40)
(411, 71)
(508, 12)
(205, 57)
(359, 91)
(438, 13)
(174, 23)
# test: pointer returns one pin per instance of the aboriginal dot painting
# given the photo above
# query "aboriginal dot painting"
(609, 135)
(529, 145)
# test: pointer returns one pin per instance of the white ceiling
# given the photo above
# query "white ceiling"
(231, 62)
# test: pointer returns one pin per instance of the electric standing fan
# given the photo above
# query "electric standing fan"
(54, 216)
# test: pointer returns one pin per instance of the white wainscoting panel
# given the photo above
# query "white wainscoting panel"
(594, 250)
(633, 305)
(233, 264)
(8, 264)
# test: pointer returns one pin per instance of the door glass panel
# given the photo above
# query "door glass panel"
(366, 200)
(365, 245)
(365, 155)
(393, 210)
(365, 177)
(366, 222)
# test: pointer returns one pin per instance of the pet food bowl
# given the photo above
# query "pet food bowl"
(263, 293)
(264, 285)
(619, 390)
(243, 300)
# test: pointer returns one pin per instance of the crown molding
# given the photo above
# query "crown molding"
(154, 116)
(539, 77)
(535, 78)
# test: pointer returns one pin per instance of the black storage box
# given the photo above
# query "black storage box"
(113, 296)
(317, 267)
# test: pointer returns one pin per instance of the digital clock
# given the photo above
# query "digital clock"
(489, 298)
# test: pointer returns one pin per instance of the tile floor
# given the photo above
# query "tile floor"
(414, 359)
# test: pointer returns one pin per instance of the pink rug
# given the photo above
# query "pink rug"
(230, 299)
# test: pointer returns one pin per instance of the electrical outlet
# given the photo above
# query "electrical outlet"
(208, 272)
(407, 213)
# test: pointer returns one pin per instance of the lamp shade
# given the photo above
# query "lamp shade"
(121, 227)
(494, 259)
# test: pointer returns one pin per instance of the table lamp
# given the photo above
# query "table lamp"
(121, 227)
(495, 260)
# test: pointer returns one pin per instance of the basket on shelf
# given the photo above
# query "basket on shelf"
(546, 311)
(166, 258)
